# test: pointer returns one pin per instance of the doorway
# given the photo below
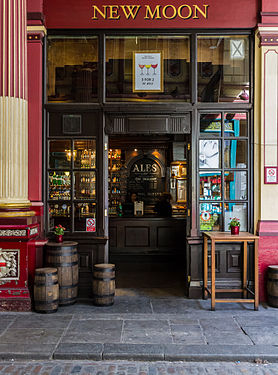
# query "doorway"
(148, 213)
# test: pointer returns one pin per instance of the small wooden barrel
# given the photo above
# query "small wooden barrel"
(103, 284)
(64, 257)
(272, 286)
(46, 290)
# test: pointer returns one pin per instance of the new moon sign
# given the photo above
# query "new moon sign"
(135, 14)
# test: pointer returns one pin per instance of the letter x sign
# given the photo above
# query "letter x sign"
(237, 49)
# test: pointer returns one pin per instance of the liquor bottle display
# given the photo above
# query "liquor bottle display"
(72, 192)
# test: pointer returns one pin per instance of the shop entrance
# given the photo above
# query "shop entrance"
(148, 213)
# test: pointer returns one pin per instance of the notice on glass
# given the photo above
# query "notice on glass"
(147, 72)
(90, 225)
(270, 175)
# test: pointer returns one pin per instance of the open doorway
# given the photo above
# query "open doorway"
(148, 213)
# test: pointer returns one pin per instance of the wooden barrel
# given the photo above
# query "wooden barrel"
(46, 290)
(272, 286)
(103, 284)
(64, 257)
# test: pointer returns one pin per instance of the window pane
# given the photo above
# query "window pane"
(83, 212)
(59, 185)
(59, 154)
(72, 68)
(236, 210)
(210, 123)
(235, 185)
(210, 216)
(210, 186)
(59, 213)
(223, 68)
(175, 67)
(209, 153)
(85, 152)
(84, 185)
(236, 125)
(235, 154)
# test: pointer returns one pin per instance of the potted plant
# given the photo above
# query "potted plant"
(234, 225)
(59, 232)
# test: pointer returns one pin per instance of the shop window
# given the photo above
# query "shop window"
(145, 68)
(72, 69)
(223, 170)
(71, 191)
(223, 69)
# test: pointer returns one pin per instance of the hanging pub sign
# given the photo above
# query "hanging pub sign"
(147, 72)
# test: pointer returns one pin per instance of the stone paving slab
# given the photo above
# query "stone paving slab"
(74, 351)
(26, 351)
(134, 352)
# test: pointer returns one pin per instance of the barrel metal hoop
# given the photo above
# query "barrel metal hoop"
(47, 283)
(46, 274)
(61, 253)
(62, 300)
(104, 295)
(270, 297)
(68, 287)
(40, 303)
(64, 264)
(104, 279)
(104, 269)
(270, 279)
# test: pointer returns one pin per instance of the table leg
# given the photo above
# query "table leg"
(205, 293)
(244, 277)
(256, 276)
(212, 275)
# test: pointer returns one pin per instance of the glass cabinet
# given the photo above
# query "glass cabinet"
(71, 182)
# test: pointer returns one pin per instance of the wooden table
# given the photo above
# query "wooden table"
(243, 237)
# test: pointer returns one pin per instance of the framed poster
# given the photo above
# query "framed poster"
(270, 175)
(181, 190)
(147, 72)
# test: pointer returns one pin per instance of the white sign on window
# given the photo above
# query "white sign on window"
(237, 49)
(147, 72)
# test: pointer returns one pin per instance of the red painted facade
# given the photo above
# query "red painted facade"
(69, 14)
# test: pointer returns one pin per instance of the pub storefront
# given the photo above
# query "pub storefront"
(148, 113)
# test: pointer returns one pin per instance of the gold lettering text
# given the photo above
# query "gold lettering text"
(103, 14)
(204, 13)
(151, 15)
(180, 9)
(130, 10)
(164, 12)
(114, 12)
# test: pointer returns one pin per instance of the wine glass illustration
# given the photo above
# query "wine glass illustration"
(141, 67)
(154, 66)
(148, 67)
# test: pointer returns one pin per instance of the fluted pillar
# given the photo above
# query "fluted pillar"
(13, 110)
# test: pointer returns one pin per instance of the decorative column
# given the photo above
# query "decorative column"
(13, 110)
(266, 144)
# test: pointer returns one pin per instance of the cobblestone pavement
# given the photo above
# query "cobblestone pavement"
(136, 368)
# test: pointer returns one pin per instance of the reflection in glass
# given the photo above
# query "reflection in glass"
(236, 210)
(235, 154)
(235, 125)
(210, 186)
(210, 216)
(59, 213)
(223, 68)
(82, 213)
(235, 185)
(59, 154)
(59, 185)
(210, 123)
(84, 185)
(85, 154)
(72, 67)
(119, 69)
(209, 153)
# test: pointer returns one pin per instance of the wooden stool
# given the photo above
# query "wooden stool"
(64, 257)
(103, 284)
(243, 237)
(46, 290)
